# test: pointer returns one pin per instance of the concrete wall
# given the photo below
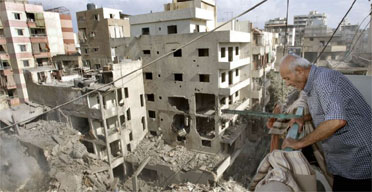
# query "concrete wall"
(54, 31)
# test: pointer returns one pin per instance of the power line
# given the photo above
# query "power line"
(285, 43)
(339, 24)
(144, 66)
(356, 32)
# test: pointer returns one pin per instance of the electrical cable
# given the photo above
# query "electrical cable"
(134, 71)
(355, 34)
(338, 26)
(360, 35)
(285, 44)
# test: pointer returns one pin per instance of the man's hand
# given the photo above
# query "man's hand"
(270, 122)
(291, 143)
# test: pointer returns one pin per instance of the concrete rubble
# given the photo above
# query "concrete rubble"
(177, 158)
(53, 152)
(48, 156)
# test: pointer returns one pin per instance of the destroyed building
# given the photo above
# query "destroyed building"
(29, 37)
(185, 104)
(112, 120)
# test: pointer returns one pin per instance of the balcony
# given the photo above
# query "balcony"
(234, 88)
(234, 64)
(42, 55)
(31, 23)
(38, 38)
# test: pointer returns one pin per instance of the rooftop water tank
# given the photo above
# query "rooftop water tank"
(91, 6)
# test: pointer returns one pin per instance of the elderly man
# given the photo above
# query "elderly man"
(342, 118)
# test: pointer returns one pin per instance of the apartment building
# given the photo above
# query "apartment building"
(315, 38)
(301, 21)
(96, 28)
(278, 25)
(112, 121)
(186, 91)
(29, 37)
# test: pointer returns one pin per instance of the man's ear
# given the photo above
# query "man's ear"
(299, 70)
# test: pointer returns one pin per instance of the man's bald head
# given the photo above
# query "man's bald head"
(294, 70)
(292, 61)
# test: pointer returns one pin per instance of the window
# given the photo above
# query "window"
(146, 31)
(2, 48)
(130, 136)
(150, 97)
(203, 52)
(17, 16)
(143, 123)
(129, 148)
(128, 115)
(126, 92)
(86, 50)
(112, 16)
(92, 34)
(148, 75)
(178, 77)
(26, 63)
(223, 101)
(311, 39)
(206, 143)
(237, 72)
(152, 114)
(122, 119)
(172, 29)
(146, 52)
(1, 32)
(237, 94)
(223, 77)
(96, 17)
(22, 48)
(95, 49)
(204, 78)
(197, 28)
(236, 50)
(178, 53)
(20, 32)
(141, 100)
(223, 52)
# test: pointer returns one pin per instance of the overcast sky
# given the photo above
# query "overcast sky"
(335, 9)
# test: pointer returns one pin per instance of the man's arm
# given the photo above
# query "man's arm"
(323, 131)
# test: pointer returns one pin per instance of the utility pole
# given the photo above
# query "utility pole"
(369, 72)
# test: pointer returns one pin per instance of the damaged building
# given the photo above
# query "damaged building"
(111, 121)
(185, 104)
(96, 27)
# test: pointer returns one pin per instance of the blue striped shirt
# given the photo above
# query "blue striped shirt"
(332, 96)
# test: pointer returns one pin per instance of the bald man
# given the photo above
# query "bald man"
(342, 118)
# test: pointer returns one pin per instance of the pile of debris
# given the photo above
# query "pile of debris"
(57, 155)
(177, 158)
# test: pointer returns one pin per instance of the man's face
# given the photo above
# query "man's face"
(296, 78)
